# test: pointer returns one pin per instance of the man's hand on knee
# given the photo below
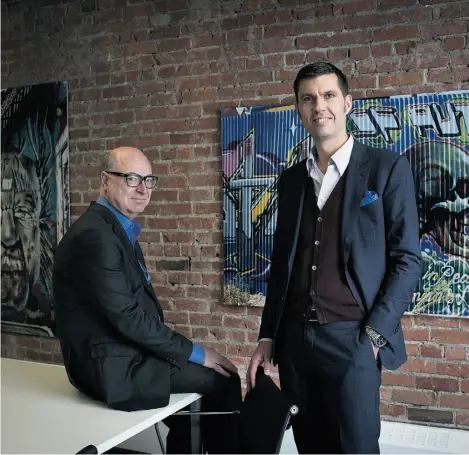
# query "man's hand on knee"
(218, 363)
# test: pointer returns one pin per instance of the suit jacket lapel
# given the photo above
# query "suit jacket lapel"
(123, 237)
(140, 257)
(355, 185)
(295, 206)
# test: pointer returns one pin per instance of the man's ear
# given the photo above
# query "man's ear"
(104, 179)
(348, 103)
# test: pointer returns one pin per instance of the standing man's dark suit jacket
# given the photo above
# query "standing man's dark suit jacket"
(380, 245)
(110, 323)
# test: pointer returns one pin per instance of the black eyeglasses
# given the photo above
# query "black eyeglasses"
(134, 180)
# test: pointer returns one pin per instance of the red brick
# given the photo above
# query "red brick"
(460, 58)
(454, 401)
(392, 410)
(420, 366)
(314, 55)
(212, 279)
(413, 349)
(240, 350)
(196, 223)
(228, 335)
(415, 334)
(450, 336)
(177, 317)
(275, 88)
(240, 323)
(454, 43)
(465, 385)
(173, 44)
(395, 33)
(207, 207)
(452, 353)
(428, 61)
(161, 223)
(359, 53)
(339, 39)
(461, 75)
(274, 61)
(400, 79)
(389, 4)
(281, 30)
(358, 6)
(431, 351)
(386, 393)
(337, 54)
(398, 379)
(295, 59)
(141, 48)
(387, 65)
(437, 384)
(449, 28)
(404, 47)
(462, 418)
(419, 397)
(452, 369)
(428, 320)
(454, 10)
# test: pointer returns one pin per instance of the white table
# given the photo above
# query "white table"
(43, 413)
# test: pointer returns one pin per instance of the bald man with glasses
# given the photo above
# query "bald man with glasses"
(116, 346)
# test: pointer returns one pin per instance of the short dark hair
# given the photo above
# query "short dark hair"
(316, 69)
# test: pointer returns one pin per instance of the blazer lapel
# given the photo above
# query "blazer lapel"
(355, 185)
(122, 235)
(141, 259)
(295, 207)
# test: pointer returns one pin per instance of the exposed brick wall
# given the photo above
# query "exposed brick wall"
(154, 74)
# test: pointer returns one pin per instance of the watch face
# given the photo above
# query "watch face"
(380, 341)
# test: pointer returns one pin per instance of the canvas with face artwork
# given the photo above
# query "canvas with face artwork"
(35, 203)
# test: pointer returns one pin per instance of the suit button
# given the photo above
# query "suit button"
(314, 267)
(319, 219)
(317, 242)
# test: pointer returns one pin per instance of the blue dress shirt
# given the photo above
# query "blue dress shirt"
(133, 229)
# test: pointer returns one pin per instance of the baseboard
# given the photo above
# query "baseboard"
(444, 440)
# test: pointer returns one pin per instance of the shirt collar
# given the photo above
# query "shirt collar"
(341, 158)
(131, 227)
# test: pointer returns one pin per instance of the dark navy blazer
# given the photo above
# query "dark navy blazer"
(379, 244)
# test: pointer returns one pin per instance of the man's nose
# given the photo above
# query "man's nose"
(9, 234)
(141, 188)
(320, 104)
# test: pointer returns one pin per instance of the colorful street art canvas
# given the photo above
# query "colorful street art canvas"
(35, 202)
(432, 130)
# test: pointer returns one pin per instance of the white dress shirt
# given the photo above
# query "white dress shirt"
(324, 184)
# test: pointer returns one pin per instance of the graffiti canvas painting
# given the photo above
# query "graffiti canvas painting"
(432, 130)
(35, 202)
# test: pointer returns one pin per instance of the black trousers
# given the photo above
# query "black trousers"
(331, 373)
(220, 433)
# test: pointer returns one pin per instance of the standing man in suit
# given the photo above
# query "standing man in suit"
(345, 263)
(116, 346)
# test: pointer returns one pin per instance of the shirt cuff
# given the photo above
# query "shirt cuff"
(264, 339)
(197, 355)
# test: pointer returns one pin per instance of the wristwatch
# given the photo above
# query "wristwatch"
(377, 340)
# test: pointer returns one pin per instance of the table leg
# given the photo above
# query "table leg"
(196, 439)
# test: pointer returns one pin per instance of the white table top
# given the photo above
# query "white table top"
(43, 413)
